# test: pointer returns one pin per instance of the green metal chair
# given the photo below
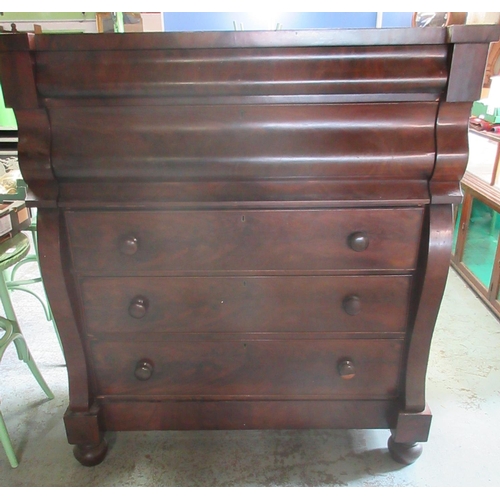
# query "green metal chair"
(14, 284)
(13, 251)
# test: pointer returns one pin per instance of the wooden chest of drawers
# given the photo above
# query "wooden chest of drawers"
(245, 230)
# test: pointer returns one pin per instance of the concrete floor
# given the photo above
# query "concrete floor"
(463, 449)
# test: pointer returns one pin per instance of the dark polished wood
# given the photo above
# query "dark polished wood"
(246, 304)
(249, 369)
(263, 240)
(60, 288)
(239, 142)
(90, 455)
(404, 453)
(245, 230)
(429, 287)
(452, 152)
(249, 71)
(262, 413)
(34, 152)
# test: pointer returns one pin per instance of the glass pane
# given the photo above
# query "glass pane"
(481, 241)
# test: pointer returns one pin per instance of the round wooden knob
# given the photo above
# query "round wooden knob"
(352, 305)
(129, 245)
(138, 307)
(358, 241)
(346, 369)
(143, 369)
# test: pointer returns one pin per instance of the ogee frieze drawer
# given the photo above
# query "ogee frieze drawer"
(246, 304)
(138, 243)
(253, 142)
(298, 368)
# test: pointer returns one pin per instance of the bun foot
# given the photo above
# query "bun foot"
(404, 453)
(90, 455)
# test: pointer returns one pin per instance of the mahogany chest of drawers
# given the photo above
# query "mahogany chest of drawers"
(245, 230)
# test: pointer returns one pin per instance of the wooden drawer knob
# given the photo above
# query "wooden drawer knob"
(143, 369)
(352, 305)
(358, 241)
(346, 369)
(129, 245)
(138, 307)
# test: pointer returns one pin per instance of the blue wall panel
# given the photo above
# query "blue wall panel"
(396, 19)
(216, 21)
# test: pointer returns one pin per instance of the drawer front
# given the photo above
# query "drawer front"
(300, 368)
(252, 142)
(174, 69)
(135, 243)
(247, 304)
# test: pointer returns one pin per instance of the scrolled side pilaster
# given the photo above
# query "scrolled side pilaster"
(435, 260)
(53, 265)
(35, 155)
(452, 152)
(83, 418)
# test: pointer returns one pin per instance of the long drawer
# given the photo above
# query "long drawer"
(299, 369)
(254, 142)
(247, 304)
(138, 243)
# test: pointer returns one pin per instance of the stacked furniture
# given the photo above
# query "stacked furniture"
(245, 230)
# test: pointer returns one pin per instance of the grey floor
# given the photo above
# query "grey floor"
(463, 450)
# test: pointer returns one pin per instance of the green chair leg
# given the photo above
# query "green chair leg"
(7, 444)
(13, 284)
(7, 303)
(10, 323)
(13, 335)
(13, 251)
(24, 354)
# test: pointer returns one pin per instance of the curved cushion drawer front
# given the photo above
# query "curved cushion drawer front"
(255, 142)
(293, 368)
(246, 304)
(138, 243)
(217, 68)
